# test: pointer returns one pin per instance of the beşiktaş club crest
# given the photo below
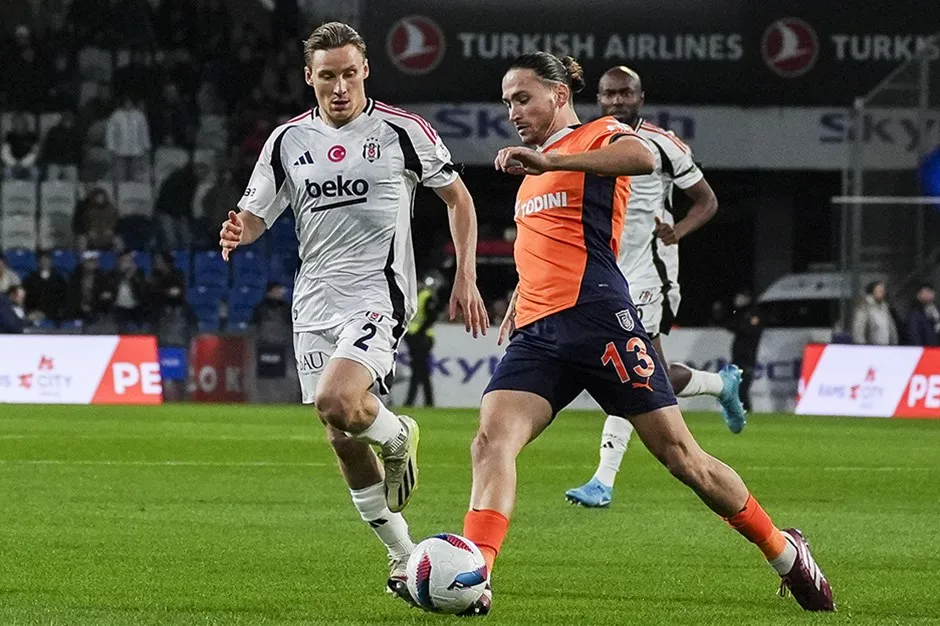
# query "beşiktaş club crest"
(371, 150)
(626, 320)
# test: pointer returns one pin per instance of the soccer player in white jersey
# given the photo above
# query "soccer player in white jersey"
(649, 258)
(348, 169)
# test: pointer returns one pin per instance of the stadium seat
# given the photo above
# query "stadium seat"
(144, 261)
(72, 325)
(183, 261)
(18, 198)
(209, 325)
(18, 232)
(210, 269)
(248, 267)
(46, 122)
(107, 260)
(240, 315)
(245, 296)
(64, 261)
(55, 231)
(166, 160)
(135, 199)
(45, 324)
(57, 198)
(96, 164)
(282, 232)
(95, 64)
(205, 296)
(21, 261)
(6, 121)
(282, 268)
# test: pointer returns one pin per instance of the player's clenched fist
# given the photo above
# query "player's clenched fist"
(231, 234)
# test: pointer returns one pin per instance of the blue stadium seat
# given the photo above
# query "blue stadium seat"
(282, 232)
(210, 269)
(282, 267)
(205, 296)
(209, 325)
(240, 315)
(64, 261)
(144, 261)
(245, 296)
(21, 261)
(107, 260)
(248, 267)
(72, 325)
(45, 324)
(183, 261)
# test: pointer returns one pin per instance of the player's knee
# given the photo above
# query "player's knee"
(337, 408)
(485, 447)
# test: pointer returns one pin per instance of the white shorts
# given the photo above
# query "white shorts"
(657, 311)
(368, 338)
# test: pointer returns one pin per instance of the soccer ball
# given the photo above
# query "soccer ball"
(446, 573)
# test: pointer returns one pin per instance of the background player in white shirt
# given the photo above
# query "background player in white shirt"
(348, 169)
(649, 258)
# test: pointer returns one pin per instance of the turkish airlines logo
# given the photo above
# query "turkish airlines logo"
(790, 47)
(415, 44)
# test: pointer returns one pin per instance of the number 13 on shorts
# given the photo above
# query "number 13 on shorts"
(643, 370)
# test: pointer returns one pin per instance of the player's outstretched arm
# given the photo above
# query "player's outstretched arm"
(239, 229)
(465, 298)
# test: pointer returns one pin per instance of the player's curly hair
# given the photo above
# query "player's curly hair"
(565, 70)
(330, 36)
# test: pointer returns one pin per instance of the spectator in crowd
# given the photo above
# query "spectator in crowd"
(23, 72)
(173, 209)
(747, 324)
(104, 319)
(128, 141)
(95, 222)
(174, 324)
(8, 278)
(88, 287)
(272, 316)
(874, 322)
(420, 339)
(20, 150)
(136, 76)
(923, 321)
(170, 120)
(93, 115)
(45, 291)
(62, 149)
(12, 317)
(130, 292)
(216, 204)
(165, 276)
(64, 79)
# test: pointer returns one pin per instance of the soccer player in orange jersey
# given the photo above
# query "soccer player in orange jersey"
(576, 328)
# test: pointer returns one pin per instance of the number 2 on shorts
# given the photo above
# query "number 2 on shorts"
(370, 329)
(645, 367)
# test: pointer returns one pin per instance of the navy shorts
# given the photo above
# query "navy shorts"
(600, 347)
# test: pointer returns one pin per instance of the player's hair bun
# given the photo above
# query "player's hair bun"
(575, 73)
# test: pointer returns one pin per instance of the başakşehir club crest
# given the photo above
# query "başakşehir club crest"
(371, 150)
(626, 320)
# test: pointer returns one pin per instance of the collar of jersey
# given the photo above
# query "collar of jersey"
(366, 112)
(557, 136)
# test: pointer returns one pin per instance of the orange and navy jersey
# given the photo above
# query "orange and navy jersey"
(569, 228)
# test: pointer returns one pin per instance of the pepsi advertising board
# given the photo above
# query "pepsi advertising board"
(716, 52)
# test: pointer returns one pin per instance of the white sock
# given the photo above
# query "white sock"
(701, 383)
(390, 528)
(386, 431)
(784, 563)
(614, 442)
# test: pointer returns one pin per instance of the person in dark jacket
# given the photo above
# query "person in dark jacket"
(46, 291)
(174, 208)
(747, 325)
(923, 322)
(12, 319)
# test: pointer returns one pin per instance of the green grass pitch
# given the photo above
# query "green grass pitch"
(236, 515)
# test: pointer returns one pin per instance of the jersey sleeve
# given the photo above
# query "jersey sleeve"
(437, 169)
(266, 195)
(684, 171)
(617, 131)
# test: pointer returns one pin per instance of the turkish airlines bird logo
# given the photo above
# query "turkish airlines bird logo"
(790, 47)
(415, 44)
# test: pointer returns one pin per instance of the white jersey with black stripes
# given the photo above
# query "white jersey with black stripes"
(652, 269)
(351, 190)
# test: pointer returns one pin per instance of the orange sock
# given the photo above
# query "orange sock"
(754, 523)
(486, 528)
